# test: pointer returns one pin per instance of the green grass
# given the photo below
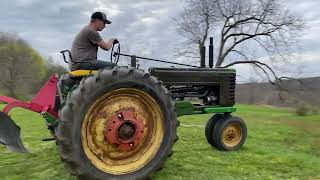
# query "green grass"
(279, 145)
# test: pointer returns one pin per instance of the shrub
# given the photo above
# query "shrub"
(302, 109)
(315, 110)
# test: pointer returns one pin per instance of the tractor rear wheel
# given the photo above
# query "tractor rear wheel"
(229, 133)
(117, 124)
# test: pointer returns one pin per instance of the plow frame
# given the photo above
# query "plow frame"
(43, 102)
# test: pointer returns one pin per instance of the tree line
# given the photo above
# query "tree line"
(23, 69)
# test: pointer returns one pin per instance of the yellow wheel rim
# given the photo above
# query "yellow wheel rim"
(108, 157)
(232, 135)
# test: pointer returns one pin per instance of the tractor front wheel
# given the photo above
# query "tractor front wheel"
(117, 124)
(210, 126)
(229, 133)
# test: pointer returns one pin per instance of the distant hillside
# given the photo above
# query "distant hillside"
(305, 90)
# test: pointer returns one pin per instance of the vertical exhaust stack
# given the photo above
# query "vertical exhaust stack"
(133, 61)
(203, 56)
(211, 52)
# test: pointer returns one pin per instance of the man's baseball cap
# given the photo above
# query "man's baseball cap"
(101, 16)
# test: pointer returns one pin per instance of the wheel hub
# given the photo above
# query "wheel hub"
(124, 129)
(232, 135)
(136, 133)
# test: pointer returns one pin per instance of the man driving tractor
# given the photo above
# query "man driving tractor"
(86, 43)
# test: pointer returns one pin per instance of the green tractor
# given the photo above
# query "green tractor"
(121, 123)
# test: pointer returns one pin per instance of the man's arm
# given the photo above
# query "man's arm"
(106, 45)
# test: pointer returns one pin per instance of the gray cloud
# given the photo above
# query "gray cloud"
(143, 26)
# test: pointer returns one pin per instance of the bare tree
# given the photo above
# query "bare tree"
(194, 24)
(265, 22)
(237, 24)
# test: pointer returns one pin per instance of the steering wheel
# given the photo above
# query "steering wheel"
(115, 54)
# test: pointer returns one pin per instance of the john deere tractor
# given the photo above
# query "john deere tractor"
(121, 122)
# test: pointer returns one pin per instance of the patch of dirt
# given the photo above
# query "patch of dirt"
(191, 125)
(310, 128)
(316, 147)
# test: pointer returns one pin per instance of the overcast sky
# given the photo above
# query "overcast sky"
(143, 27)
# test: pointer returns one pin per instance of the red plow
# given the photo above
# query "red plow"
(43, 103)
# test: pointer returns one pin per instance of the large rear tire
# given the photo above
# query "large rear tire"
(118, 124)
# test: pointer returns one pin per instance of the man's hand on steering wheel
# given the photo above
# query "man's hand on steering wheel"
(115, 41)
(115, 54)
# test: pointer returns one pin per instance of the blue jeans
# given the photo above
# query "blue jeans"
(94, 65)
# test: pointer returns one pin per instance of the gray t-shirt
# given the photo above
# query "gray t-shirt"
(85, 46)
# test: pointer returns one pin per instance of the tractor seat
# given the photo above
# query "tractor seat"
(76, 73)
(81, 73)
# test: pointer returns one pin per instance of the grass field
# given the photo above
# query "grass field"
(279, 145)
